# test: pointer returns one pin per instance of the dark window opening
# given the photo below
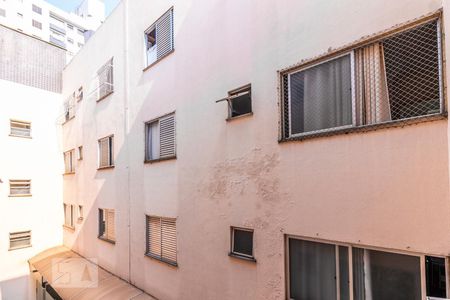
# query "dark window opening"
(242, 242)
(151, 38)
(435, 277)
(240, 102)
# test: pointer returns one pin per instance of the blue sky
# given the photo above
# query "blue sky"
(69, 5)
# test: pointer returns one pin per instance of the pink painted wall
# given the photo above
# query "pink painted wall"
(387, 188)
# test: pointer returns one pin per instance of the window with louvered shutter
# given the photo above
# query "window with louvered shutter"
(69, 161)
(20, 187)
(68, 215)
(159, 38)
(20, 128)
(103, 82)
(162, 239)
(20, 239)
(105, 147)
(107, 225)
(160, 138)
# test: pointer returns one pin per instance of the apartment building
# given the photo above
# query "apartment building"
(69, 30)
(30, 160)
(263, 150)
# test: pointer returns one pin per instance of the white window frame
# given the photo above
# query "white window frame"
(350, 262)
(154, 27)
(352, 78)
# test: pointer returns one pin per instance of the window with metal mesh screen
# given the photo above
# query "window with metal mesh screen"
(159, 38)
(395, 78)
(162, 239)
(104, 81)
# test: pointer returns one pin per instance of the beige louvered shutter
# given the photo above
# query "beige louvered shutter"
(167, 136)
(164, 35)
(110, 225)
(154, 236)
(169, 240)
(104, 152)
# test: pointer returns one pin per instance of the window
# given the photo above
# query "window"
(80, 153)
(242, 243)
(160, 138)
(79, 94)
(18, 188)
(159, 38)
(105, 152)
(162, 239)
(106, 225)
(70, 40)
(395, 78)
(69, 162)
(37, 24)
(322, 271)
(104, 81)
(69, 108)
(19, 239)
(80, 213)
(2, 12)
(37, 9)
(239, 102)
(69, 215)
(20, 128)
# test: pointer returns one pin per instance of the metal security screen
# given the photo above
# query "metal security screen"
(393, 79)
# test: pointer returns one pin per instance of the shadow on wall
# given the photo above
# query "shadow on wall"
(18, 288)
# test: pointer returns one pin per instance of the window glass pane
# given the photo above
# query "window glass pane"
(243, 242)
(344, 280)
(241, 105)
(435, 274)
(312, 270)
(383, 275)
(153, 137)
(321, 97)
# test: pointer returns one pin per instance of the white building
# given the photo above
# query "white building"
(49, 23)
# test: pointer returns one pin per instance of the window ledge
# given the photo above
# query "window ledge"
(68, 120)
(365, 128)
(20, 136)
(19, 195)
(157, 61)
(68, 173)
(247, 258)
(155, 257)
(239, 117)
(105, 168)
(21, 247)
(70, 228)
(151, 161)
(105, 96)
(107, 240)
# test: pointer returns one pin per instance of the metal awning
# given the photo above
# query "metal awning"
(66, 275)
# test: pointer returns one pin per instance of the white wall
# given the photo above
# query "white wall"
(40, 160)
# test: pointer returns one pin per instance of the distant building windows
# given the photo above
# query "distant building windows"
(69, 215)
(159, 38)
(19, 188)
(105, 152)
(104, 81)
(242, 243)
(37, 24)
(162, 239)
(19, 239)
(69, 162)
(160, 138)
(37, 9)
(106, 226)
(20, 128)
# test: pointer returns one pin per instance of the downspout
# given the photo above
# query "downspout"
(127, 130)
